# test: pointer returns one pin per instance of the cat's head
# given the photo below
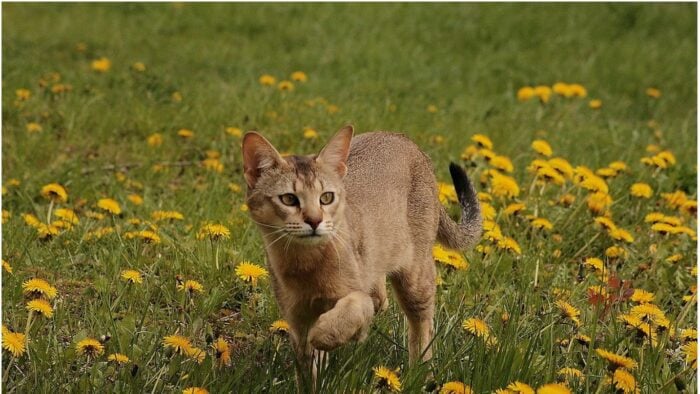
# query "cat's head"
(296, 199)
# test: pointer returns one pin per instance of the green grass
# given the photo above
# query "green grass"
(382, 65)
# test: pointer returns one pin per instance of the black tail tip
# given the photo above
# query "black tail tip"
(463, 186)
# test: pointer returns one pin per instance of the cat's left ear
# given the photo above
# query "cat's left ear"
(335, 153)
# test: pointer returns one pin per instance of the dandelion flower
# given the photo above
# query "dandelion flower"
(39, 287)
(387, 379)
(650, 313)
(624, 381)
(310, 133)
(616, 361)
(501, 163)
(520, 387)
(446, 193)
(299, 76)
(195, 390)
(213, 232)
(526, 93)
(250, 272)
(166, 215)
(621, 235)
(578, 90)
(542, 147)
(543, 92)
(642, 296)
(90, 347)
(279, 327)
(13, 342)
(267, 80)
(615, 252)
(178, 343)
(139, 67)
(213, 164)
(23, 94)
(55, 192)
(568, 311)
(185, 133)
(541, 224)
(482, 141)
(597, 202)
(568, 373)
(562, 166)
(451, 258)
(455, 388)
(109, 205)
(148, 237)
(595, 104)
(477, 327)
(690, 350)
(41, 307)
(510, 244)
(196, 354)
(191, 286)
(118, 358)
(641, 190)
(222, 352)
(513, 208)
(101, 65)
(553, 388)
(653, 92)
(234, 131)
(132, 276)
(155, 140)
(504, 186)
(285, 86)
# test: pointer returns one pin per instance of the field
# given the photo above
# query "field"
(121, 129)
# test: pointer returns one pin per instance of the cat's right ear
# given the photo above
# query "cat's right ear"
(258, 155)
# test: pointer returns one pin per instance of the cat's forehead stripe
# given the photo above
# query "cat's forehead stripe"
(305, 169)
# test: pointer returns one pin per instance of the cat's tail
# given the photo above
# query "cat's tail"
(467, 232)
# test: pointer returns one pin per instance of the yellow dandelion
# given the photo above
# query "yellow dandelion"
(299, 76)
(455, 388)
(526, 93)
(279, 327)
(690, 350)
(285, 86)
(650, 313)
(606, 172)
(310, 133)
(13, 342)
(542, 147)
(541, 224)
(513, 208)
(250, 272)
(109, 205)
(222, 351)
(616, 252)
(155, 140)
(642, 296)
(653, 92)
(477, 327)
(146, 236)
(166, 215)
(67, 215)
(55, 192)
(196, 354)
(449, 257)
(567, 199)
(90, 347)
(6, 266)
(521, 388)
(553, 388)
(23, 94)
(118, 358)
(569, 373)
(387, 379)
(510, 244)
(446, 193)
(33, 127)
(41, 307)
(562, 166)
(234, 131)
(616, 361)
(482, 141)
(569, 311)
(185, 133)
(595, 104)
(641, 190)
(621, 235)
(135, 199)
(543, 92)
(267, 80)
(501, 163)
(178, 343)
(624, 381)
(598, 202)
(504, 186)
(39, 287)
(191, 286)
(132, 276)
(195, 390)
(213, 165)
(138, 67)
(101, 65)
(213, 232)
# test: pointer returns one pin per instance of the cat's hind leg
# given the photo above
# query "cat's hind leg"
(415, 291)
(348, 320)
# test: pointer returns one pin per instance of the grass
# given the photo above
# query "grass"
(379, 67)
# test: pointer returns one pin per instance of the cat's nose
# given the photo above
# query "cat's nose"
(313, 222)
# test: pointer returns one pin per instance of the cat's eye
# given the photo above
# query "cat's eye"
(327, 198)
(289, 199)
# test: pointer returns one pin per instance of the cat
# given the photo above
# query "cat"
(336, 225)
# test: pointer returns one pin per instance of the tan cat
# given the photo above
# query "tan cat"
(336, 225)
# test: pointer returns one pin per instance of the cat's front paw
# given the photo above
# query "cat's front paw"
(329, 332)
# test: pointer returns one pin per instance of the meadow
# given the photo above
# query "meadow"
(130, 264)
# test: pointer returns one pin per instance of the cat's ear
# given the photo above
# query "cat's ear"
(335, 153)
(258, 155)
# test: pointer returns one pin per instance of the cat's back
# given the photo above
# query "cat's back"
(388, 163)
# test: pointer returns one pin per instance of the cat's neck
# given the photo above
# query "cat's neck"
(290, 256)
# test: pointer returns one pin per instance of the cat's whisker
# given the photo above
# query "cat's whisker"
(264, 225)
(280, 237)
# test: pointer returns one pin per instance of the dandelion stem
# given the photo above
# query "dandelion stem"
(216, 256)
(6, 373)
(48, 217)
(678, 375)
